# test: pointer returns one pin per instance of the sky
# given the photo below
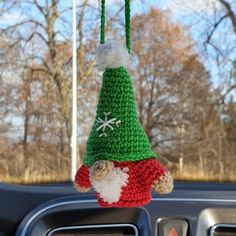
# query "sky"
(26, 11)
(198, 17)
(181, 11)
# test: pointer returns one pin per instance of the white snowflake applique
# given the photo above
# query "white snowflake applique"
(106, 123)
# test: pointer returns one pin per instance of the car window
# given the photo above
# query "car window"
(182, 67)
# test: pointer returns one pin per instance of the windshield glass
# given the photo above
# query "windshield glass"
(183, 70)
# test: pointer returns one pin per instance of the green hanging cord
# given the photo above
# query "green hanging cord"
(103, 22)
(127, 24)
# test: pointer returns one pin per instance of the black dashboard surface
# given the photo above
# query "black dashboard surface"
(201, 205)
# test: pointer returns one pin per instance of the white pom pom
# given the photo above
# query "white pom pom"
(112, 54)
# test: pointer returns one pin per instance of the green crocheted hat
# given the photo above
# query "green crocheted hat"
(116, 134)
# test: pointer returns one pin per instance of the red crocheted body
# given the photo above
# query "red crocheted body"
(137, 192)
(142, 174)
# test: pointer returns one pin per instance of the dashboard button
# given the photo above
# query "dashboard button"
(172, 227)
(173, 232)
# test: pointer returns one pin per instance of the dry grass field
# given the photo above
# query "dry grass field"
(41, 171)
(46, 165)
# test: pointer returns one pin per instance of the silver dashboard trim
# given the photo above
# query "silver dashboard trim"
(214, 227)
(93, 226)
(194, 200)
(31, 219)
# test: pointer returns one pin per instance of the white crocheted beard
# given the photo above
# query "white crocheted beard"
(110, 188)
(112, 54)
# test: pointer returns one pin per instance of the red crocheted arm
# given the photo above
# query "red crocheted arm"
(156, 175)
(82, 182)
(151, 170)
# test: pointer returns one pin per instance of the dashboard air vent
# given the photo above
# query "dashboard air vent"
(223, 230)
(91, 230)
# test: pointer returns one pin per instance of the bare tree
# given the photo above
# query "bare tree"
(39, 38)
(170, 77)
(216, 23)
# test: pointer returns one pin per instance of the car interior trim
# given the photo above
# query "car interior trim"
(213, 218)
(42, 209)
(213, 228)
(94, 226)
(194, 200)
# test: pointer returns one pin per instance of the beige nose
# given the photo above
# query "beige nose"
(101, 169)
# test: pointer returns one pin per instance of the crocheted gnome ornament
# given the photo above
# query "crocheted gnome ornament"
(119, 163)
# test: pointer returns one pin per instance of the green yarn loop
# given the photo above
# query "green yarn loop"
(125, 139)
(103, 22)
(127, 23)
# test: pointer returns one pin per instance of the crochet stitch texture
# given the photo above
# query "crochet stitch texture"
(123, 139)
(137, 192)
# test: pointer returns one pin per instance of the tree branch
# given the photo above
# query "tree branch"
(230, 13)
(215, 27)
(40, 8)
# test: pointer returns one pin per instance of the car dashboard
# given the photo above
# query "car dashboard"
(199, 209)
